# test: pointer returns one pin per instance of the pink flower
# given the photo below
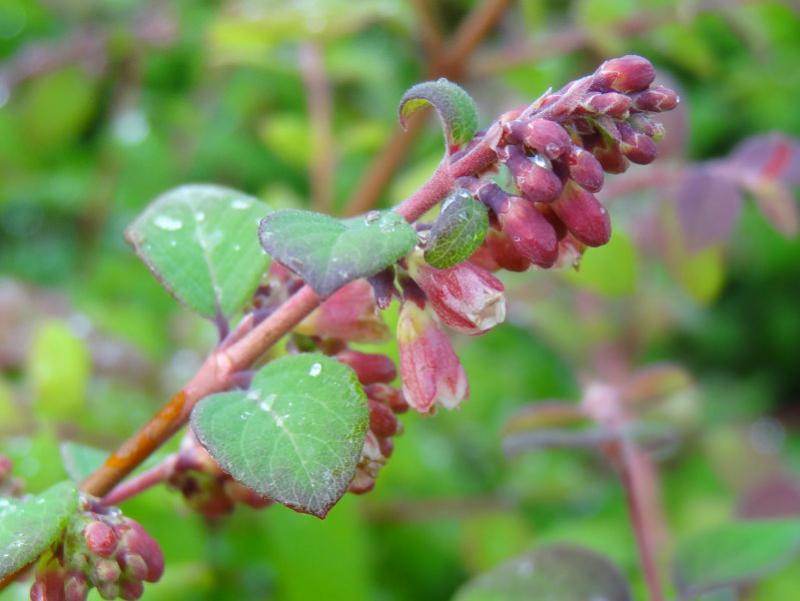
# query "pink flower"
(350, 314)
(429, 368)
(466, 297)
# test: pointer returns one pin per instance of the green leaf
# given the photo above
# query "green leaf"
(552, 573)
(200, 242)
(458, 231)
(734, 554)
(328, 253)
(456, 108)
(58, 370)
(29, 526)
(295, 436)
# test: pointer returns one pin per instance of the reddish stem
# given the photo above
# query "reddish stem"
(632, 482)
(141, 482)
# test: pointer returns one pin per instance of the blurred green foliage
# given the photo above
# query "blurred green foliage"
(137, 97)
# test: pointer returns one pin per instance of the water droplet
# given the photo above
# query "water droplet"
(266, 404)
(315, 370)
(372, 217)
(541, 161)
(200, 216)
(237, 247)
(166, 222)
(173, 243)
(240, 204)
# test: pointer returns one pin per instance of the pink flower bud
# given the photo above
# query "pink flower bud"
(583, 215)
(382, 421)
(131, 590)
(138, 541)
(542, 135)
(48, 586)
(100, 538)
(610, 103)
(105, 570)
(608, 154)
(656, 100)
(465, 297)
(134, 566)
(642, 123)
(75, 587)
(533, 177)
(429, 367)
(530, 232)
(637, 147)
(585, 169)
(369, 367)
(108, 590)
(630, 73)
(504, 252)
(350, 313)
(386, 446)
(388, 395)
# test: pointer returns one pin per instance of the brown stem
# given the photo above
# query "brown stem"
(451, 65)
(318, 97)
(430, 31)
(214, 374)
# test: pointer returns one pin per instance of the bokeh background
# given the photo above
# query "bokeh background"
(106, 103)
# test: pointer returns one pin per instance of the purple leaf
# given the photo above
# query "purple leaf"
(708, 205)
(777, 205)
(773, 156)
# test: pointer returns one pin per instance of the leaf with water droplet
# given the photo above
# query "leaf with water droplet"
(328, 253)
(458, 231)
(28, 526)
(456, 108)
(296, 436)
(200, 242)
(554, 573)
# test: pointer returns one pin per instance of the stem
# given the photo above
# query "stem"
(318, 97)
(633, 483)
(142, 482)
(451, 65)
(249, 342)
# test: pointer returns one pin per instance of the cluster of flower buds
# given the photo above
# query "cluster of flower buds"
(208, 489)
(103, 549)
(556, 154)
(375, 372)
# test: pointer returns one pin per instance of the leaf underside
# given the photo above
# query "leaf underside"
(456, 108)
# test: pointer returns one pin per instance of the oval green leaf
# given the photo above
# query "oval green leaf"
(328, 253)
(28, 526)
(456, 108)
(734, 554)
(200, 242)
(458, 231)
(552, 573)
(296, 436)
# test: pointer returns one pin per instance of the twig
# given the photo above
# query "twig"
(430, 31)
(141, 482)
(474, 28)
(319, 99)
(214, 375)
(634, 483)
(574, 38)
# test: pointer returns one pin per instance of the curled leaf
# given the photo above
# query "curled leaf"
(456, 108)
